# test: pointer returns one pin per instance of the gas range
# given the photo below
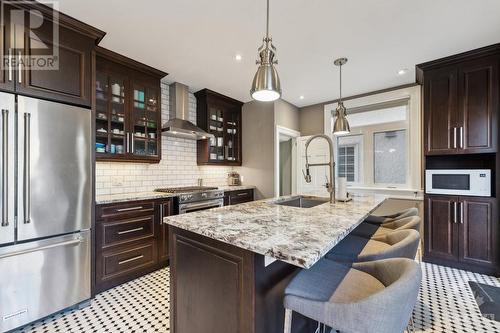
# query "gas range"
(194, 198)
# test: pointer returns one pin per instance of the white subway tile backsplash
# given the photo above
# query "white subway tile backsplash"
(177, 168)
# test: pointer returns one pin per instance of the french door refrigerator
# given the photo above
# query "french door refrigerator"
(45, 207)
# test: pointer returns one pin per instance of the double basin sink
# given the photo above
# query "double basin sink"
(301, 201)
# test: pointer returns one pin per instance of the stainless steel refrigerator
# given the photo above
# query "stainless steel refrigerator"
(46, 197)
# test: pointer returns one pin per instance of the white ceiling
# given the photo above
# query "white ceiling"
(196, 40)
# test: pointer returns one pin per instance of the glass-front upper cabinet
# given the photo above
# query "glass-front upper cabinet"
(146, 111)
(127, 109)
(110, 115)
(220, 116)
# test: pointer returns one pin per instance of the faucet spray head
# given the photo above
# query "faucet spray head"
(307, 174)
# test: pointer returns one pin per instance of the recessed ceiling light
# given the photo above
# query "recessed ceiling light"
(238, 57)
(301, 97)
(403, 71)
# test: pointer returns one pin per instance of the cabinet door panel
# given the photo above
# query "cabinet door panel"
(7, 72)
(478, 232)
(440, 96)
(478, 96)
(440, 241)
(165, 210)
(65, 75)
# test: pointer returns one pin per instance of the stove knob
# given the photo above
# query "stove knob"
(204, 195)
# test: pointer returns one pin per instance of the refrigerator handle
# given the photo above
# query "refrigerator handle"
(5, 168)
(26, 173)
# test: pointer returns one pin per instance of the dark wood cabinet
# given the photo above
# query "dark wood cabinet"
(130, 241)
(462, 232)
(460, 97)
(50, 56)
(441, 231)
(479, 231)
(478, 105)
(165, 209)
(238, 196)
(128, 109)
(221, 116)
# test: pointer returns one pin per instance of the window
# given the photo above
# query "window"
(376, 151)
(346, 162)
(349, 158)
(390, 157)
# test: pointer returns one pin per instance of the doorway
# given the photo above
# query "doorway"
(285, 161)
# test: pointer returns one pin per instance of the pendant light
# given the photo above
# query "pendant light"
(341, 125)
(266, 85)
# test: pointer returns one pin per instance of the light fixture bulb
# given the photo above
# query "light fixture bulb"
(265, 95)
(237, 57)
(301, 97)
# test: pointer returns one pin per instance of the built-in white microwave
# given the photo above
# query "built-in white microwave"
(473, 182)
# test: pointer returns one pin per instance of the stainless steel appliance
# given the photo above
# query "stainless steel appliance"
(473, 182)
(45, 208)
(195, 198)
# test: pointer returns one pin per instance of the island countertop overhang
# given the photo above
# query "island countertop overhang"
(299, 236)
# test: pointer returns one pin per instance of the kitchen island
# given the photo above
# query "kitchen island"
(229, 266)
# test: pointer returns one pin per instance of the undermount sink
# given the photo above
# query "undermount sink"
(302, 201)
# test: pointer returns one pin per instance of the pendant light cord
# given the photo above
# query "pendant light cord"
(267, 21)
(340, 97)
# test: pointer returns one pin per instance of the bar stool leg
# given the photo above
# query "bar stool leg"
(288, 321)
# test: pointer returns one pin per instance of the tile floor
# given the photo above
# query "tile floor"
(446, 304)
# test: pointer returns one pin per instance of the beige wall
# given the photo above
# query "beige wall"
(286, 115)
(258, 147)
(311, 120)
(259, 122)
(285, 167)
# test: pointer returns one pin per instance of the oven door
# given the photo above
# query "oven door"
(200, 205)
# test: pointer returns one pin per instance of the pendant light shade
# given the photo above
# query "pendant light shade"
(266, 85)
(341, 125)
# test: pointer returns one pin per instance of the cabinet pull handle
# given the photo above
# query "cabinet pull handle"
(454, 212)
(27, 168)
(10, 64)
(161, 213)
(242, 194)
(461, 212)
(454, 137)
(5, 168)
(129, 209)
(130, 260)
(128, 142)
(20, 68)
(461, 136)
(130, 230)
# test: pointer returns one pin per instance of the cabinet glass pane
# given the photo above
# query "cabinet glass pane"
(110, 114)
(216, 127)
(145, 119)
(232, 145)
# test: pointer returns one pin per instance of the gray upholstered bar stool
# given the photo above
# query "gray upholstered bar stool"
(374, 297)
(396, 244)
(369, 230)
(376, 219)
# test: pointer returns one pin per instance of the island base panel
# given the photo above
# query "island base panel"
(217, 287)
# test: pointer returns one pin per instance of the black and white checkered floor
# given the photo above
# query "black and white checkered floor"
(446, 304)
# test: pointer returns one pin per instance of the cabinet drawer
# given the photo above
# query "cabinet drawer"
(236, 197)
(125, 209)
(126, 260)
(128, 230)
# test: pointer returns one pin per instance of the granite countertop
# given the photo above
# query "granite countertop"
(132, 196)
(299, 236)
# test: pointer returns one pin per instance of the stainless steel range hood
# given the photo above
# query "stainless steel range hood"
(179, 126)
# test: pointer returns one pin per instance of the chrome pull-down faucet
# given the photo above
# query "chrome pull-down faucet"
(330, 186)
